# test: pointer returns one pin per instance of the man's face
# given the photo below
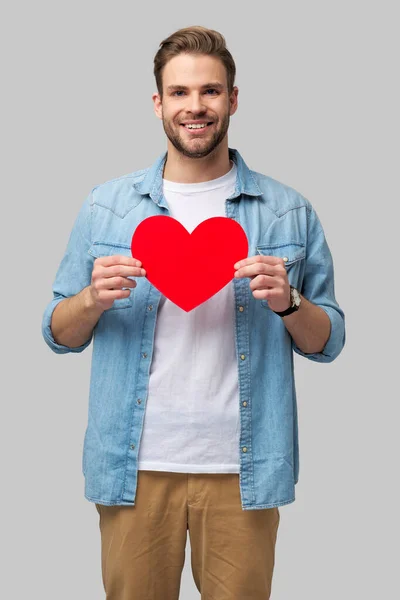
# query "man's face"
(195, 91)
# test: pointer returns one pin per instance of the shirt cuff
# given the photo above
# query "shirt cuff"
(48, 335)
(335, 342)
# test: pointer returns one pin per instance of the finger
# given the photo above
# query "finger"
(254, 269)
(122, 271)
(266, 294)
(117, 259)
(263, 282)
(258, 258)
(115, 283)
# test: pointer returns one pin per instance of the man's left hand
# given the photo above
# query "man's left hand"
(269, 280)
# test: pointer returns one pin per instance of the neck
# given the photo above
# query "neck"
(182, 169)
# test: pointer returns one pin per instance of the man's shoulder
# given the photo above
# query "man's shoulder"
(118, 195)
(123, 182)
(278, 196)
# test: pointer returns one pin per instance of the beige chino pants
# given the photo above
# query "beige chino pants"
(143, 546)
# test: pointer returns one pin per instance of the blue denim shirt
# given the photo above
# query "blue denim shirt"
(278, 221)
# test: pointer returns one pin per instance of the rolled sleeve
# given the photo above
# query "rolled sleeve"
(73, 275)
(319, 288)
(48, 334)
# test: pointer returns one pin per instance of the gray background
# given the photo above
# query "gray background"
(318, 110)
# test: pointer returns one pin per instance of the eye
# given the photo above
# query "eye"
(211, 90)
(178, 92)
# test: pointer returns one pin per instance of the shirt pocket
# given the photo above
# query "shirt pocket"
(100, 249)
(293, 255)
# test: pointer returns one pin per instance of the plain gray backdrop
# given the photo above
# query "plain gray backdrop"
(318, 110)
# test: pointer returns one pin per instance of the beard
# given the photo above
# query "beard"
(197, 148)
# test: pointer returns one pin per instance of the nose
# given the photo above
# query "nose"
(195, 104)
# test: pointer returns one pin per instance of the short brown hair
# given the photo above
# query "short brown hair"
(194, 40)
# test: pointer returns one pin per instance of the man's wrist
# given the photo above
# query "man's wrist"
(89, 304)
(294, 303)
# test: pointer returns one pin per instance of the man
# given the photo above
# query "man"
(192, 415)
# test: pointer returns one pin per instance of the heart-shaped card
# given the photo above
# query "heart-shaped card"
(189, 268)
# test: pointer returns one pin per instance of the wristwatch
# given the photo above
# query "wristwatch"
(295, 303)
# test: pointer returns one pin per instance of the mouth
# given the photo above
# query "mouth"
(197, 129)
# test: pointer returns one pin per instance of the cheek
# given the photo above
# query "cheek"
(168, 114)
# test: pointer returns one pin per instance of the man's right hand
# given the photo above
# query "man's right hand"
(110, 275)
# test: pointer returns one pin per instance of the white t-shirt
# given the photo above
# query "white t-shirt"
(192, 419)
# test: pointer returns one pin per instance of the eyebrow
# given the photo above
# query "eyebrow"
(215, 84)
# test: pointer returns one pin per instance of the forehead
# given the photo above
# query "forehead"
(193, 70)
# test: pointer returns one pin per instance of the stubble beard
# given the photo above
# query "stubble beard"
(196, 148)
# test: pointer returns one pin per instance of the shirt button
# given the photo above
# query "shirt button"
(285, 258)
(144, 354)
(150, 307)
(242, 356)
(244, 449)
(132, 446)
(241, 309)
(139, 401)
(245, 403)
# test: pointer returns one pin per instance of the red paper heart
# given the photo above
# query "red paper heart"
(189, 268)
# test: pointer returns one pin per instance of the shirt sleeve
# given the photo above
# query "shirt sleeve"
(319, 288)
(74, 273)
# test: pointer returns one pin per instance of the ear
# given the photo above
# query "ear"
(233, 100)
(157, 105)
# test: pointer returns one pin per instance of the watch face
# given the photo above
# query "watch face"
(295, 297)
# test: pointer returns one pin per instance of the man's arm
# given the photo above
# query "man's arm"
(309, 327)
(312, 335)
(74, 319)
(84, 288)
(317, 329)
(72, 277)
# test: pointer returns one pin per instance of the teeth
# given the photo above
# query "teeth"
(195, 126)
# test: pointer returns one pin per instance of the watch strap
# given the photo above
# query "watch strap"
(286, 312)
(293, 308)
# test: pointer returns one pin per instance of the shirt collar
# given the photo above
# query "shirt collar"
(152, 183)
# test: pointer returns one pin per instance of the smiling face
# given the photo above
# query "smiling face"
(196, 106)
